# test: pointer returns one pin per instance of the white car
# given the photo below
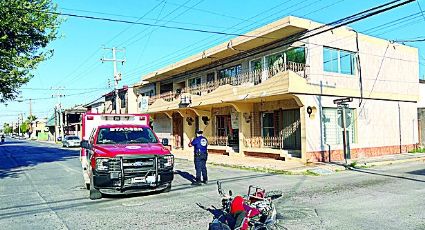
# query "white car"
(71, 141)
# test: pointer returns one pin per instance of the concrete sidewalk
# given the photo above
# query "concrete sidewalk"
(294, 166)
(389, 159)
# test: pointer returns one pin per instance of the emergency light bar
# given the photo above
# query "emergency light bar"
(117, 118)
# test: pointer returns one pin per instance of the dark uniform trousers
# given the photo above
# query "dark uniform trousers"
(201, 166)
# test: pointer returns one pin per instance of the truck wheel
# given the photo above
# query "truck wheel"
(168, 188)
(94, 193)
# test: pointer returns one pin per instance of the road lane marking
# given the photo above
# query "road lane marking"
(68, 169)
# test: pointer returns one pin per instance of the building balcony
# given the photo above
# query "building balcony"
(261, 81)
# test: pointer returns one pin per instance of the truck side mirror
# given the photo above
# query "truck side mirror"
(85, 144)
(164, 141)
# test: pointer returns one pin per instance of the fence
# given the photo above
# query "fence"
(254, 77)
(264, 142)
(218, 140)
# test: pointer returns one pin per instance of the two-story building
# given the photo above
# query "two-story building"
(126, 101)
(258, 95)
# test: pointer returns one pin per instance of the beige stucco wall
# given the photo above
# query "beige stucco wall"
(377, 123)
(386, 67)
(132, 101)
(162, 126)
(421, 102)
(389, 73)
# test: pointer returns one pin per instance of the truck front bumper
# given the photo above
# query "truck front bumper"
(133, 175)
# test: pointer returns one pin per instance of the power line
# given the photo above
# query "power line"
(323, 26)
(420, 8)
(73, 89)
(134, 38)
(154, 29)
(64, 95)
(149, 38)
(338, 23)
(140, 18)
(90, 68)
(208, 11)
(145, 24)
(268, 10)
(413, 40)
(79, 66)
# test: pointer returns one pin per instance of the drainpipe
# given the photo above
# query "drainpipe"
(399, 124)
(359, 66)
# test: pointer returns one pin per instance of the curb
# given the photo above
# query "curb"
(390, 162)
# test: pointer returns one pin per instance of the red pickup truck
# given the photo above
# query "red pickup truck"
(121, 154)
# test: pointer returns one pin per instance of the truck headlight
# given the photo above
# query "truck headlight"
(169, 161)
(102, 164)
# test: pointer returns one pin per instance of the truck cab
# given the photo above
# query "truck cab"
(122, 155)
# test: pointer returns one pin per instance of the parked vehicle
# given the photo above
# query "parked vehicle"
(121, 154)
(71, 141)
(254, 211)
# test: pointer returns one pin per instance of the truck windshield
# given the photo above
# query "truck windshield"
(125, 136)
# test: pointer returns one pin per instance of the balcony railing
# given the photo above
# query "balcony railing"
(264, 142)
(167, 96)
(251, 77)
(218, 140)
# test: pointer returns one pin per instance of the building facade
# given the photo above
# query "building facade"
(421, 114)
(39, 130)
(261, 95)
(127, 101)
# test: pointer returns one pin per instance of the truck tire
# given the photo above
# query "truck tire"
(94, 193)
(167, 189)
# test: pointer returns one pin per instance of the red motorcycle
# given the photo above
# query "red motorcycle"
(255, 211)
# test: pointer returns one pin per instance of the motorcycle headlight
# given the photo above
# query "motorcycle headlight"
(102, 164)
(169, 161)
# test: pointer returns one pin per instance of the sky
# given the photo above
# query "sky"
(76, 65)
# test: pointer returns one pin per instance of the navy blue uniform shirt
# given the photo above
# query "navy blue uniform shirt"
(200, 144)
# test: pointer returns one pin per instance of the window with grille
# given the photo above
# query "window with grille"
(268, 124)
(222, 123)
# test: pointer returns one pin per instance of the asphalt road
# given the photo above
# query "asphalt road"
(41, 187)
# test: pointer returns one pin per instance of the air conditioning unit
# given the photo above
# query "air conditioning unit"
(185, 100)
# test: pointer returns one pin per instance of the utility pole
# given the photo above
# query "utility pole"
(58, 94)
(20, 122)
(117, 75)
(30, 106)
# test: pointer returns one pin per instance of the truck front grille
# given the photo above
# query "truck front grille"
(133, 165)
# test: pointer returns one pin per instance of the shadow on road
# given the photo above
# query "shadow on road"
(186, 175)
(393, 176)
(418, 172)
(15, 155)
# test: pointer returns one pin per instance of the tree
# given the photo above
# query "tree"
(25, 127)
(26, 28)
(31, 118)
(7, 128)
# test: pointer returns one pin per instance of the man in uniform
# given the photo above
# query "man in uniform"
(200, 144)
